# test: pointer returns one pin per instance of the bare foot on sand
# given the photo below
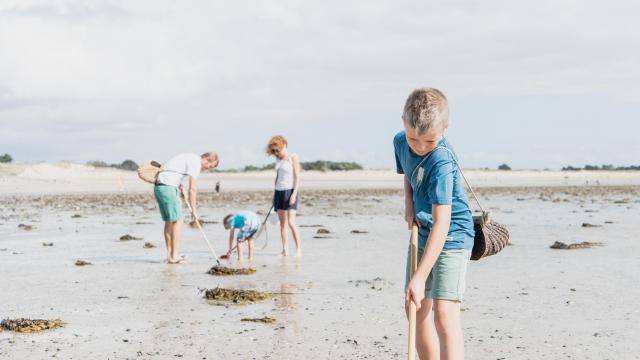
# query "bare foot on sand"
(298, 253)
(285, 253)
(180, 260)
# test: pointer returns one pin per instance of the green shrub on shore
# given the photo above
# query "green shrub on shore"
(601, 168)
(319, 165)
(6, 158)
(323, 165)
(97, 163)
(128, 165)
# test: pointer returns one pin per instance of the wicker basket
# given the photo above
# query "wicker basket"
(149, 171)
(491, 237)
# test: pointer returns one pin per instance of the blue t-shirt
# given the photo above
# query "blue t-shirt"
(247, 222)
(438, 182)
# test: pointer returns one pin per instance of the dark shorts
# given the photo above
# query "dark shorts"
(281, 200)
(250, 236)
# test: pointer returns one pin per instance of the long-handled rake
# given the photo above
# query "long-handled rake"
(263, 228)
(412, 305)
(197, 221)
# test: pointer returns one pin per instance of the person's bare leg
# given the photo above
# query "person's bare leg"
(291, 217)
(426, 335)
(175, 238)
(250, 245)
(447, 320)
(239, 248)
(282, 216)
(168, 225)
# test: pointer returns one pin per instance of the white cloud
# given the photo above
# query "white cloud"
(223, 69)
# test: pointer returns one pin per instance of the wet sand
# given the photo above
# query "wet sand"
(342, 300)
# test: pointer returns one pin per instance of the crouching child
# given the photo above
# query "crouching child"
(247, 223)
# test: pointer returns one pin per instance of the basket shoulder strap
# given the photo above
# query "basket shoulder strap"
(464, 177)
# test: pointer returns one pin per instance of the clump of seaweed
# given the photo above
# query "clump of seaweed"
(194, 225)
(128, 237)
(30, 325)
(148, 245)
(582, 245)
(82, 263)
(26, 227)
(323, 231)
(47, 244)
(227, 271)
(238, 297)
(590, 225)
(264, 320)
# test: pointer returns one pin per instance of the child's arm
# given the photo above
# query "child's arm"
(409, 212)
(231, 231)
(437, 237)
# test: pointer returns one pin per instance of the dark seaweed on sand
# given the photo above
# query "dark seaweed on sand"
(236, 296)
(30, 325)
(582, 245)
(227, 271)
(264, 320)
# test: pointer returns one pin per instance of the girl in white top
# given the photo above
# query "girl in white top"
(287, 186)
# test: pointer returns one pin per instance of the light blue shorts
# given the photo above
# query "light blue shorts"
(447, 279)
(169, 202)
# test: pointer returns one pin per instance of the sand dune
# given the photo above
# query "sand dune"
(66, 177)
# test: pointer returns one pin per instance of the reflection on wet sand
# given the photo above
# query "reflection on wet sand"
(289, 330)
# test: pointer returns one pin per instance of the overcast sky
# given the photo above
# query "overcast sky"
(532, 84)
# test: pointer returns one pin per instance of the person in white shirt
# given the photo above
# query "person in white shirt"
(168, 190)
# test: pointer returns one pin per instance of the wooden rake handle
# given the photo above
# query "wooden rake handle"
(213, 252)
(412, 305)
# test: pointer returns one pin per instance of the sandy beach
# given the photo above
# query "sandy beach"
(342, 300)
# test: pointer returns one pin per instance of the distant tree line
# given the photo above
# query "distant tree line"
(318, 165)
(324, 165)
(602, 167)
(128, 165)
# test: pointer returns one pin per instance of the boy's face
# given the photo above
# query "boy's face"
(422, 144)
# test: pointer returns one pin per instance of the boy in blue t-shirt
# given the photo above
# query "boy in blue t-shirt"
(247, 223)
(435, 199)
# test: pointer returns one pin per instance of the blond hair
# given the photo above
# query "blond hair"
(276, 142)
(426, 110)
(211, 156)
